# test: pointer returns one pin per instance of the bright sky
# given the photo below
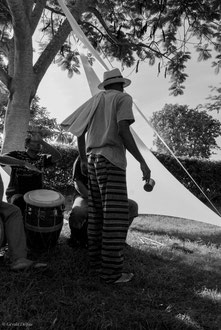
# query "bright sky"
(62, 95)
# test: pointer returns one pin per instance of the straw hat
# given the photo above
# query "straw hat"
(112, 77)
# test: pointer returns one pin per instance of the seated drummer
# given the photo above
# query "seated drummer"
(38, 153)
(11, 218)
(79, 213)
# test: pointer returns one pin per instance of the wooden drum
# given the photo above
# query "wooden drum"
(43, 218)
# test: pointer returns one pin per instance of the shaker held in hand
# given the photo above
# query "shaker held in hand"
(149, 185)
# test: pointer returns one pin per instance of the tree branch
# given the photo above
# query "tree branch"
(28, 5)
(36, 14)
(55, 44)
(19, 21)
(103, 23)
(17, 10)
(58, 12)
(128, 44)
(116, 41)
(50, 51)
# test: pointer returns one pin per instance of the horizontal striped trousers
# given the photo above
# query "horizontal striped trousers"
(107, 216)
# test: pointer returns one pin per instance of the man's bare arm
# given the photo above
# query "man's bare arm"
(82, 153)
(11, 161)
(130, 145)
(47, 148)
(81, 188)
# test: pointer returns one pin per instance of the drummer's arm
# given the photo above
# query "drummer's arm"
(47, 148)
(11, 161)
(55, 154)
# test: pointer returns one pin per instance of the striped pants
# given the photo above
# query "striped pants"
(107, 216)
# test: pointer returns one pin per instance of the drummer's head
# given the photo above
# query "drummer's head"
(33, 146)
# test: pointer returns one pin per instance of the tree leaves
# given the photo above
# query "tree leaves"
(217, 64)
(176, 71)
(69, 60)
(214, 98)
(187, 132)
(204, 52)
(139, 30)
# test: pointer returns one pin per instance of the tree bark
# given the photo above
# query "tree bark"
(24, 78)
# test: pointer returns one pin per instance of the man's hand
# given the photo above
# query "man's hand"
(146, 171)
(84, 167)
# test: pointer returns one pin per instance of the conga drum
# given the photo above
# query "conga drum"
(43, 218)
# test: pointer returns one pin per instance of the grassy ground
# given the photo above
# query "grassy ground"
(177, 283)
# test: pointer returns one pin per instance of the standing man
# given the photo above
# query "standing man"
(103, 157)
(38, 153)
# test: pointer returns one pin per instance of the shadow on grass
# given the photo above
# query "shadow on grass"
(166, 293)
(179, 295)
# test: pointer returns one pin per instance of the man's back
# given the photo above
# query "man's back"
(103, 137)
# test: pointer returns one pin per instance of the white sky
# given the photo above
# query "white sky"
(62, 95)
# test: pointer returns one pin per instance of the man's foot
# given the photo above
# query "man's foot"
(21, 263)
(125, 277)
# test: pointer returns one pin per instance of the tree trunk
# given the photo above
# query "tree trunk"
(21, 81)
(17, 119)
(22, 78)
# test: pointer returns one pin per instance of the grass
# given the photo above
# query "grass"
(177, 283)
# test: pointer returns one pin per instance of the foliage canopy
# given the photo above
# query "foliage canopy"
(214, 100)
(187, 132)
(130, 31)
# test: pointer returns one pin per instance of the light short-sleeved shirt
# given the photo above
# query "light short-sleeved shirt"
(102, 133)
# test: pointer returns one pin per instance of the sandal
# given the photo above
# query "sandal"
(125, 277)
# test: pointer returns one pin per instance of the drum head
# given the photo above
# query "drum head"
(44, 197)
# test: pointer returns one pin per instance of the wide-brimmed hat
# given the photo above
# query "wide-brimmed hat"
(112, 77)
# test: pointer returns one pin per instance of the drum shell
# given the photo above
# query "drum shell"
(43, 226)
